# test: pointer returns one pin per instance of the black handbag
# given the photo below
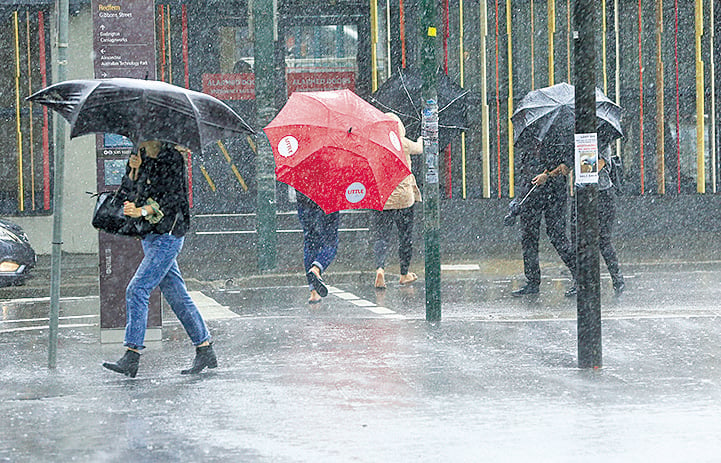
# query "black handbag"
(108, 215)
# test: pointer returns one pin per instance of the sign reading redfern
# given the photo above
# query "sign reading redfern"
(242, 86)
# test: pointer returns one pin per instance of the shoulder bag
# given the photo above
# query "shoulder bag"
(108, 215)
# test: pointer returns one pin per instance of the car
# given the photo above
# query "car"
(17, 256)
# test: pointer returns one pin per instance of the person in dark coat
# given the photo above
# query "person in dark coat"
(158, 174)
(546, 166)
(606, 219)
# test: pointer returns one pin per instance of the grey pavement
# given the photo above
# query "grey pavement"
(362, 377)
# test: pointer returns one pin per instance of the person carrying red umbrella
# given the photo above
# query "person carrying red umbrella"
(320, 243)
(398, 209)
(339, 152)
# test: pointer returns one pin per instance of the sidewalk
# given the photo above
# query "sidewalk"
(495, 380)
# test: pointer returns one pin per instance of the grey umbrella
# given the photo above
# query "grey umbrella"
(550, 112)
(142, 110)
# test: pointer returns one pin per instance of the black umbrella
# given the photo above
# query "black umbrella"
(142, 110)
(550, 112)
(401, 94)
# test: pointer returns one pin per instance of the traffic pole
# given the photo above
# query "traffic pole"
(431, 186)
(588, 300)
(265, 38)
(59, 180)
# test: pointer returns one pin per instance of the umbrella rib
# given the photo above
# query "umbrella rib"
(390, 109)
(459, 127)
(453, 101)
(405, 89)
(91, 105)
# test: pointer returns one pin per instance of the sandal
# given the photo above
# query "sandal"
(380, 279)
(409, 278)
(314, 297)
(317, 283)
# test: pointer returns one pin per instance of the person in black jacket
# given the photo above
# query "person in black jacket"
(545, 165)
(158, 174)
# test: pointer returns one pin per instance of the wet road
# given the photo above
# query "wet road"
(363, 377)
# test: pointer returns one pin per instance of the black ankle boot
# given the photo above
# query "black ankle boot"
(204, 357)
(127, 365)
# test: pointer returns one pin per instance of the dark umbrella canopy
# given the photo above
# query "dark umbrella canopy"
(550, 112)
(402, 94)
(142, 110)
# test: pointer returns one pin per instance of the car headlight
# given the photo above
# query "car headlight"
(9, 266)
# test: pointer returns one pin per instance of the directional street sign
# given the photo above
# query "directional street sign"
(124, 39)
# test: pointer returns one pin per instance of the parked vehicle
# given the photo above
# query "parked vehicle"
(17, 256)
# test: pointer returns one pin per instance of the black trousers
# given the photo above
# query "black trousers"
(550, 205)
(606, 219)
(383, 224)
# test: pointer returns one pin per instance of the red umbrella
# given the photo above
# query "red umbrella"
(337, 149)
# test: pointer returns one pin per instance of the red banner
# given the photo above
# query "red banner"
(320, 81)
(230, 86)
(242, 86)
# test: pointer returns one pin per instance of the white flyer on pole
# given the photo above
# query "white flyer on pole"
(586, 158)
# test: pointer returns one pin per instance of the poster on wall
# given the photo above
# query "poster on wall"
(586, 170)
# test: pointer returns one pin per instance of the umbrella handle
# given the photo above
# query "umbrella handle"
(528, 194)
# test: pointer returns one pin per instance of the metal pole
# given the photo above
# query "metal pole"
(587, 253)
(265, 38)
(431, 187)
(56, 255)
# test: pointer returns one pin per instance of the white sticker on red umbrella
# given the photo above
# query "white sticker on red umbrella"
(394, 140)
(355, 192)
(287, 146)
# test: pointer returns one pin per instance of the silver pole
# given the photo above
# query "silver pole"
(56, 256)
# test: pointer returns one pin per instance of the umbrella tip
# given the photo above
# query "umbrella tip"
(349, 130)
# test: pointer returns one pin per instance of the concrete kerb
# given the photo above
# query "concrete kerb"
(80, 273)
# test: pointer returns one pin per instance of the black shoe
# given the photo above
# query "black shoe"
(572, 291)
(127, 365)
(528, 289)
(317, 283)
(204, 357)
(618, 288)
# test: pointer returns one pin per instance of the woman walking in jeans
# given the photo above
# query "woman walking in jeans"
(320, 243)
(159, 169)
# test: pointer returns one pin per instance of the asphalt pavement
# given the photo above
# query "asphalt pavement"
(363, 377)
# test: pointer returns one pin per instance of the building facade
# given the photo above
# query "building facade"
(657, 58)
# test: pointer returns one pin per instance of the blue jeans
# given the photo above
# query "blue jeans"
(159, 268)
(320, 237)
